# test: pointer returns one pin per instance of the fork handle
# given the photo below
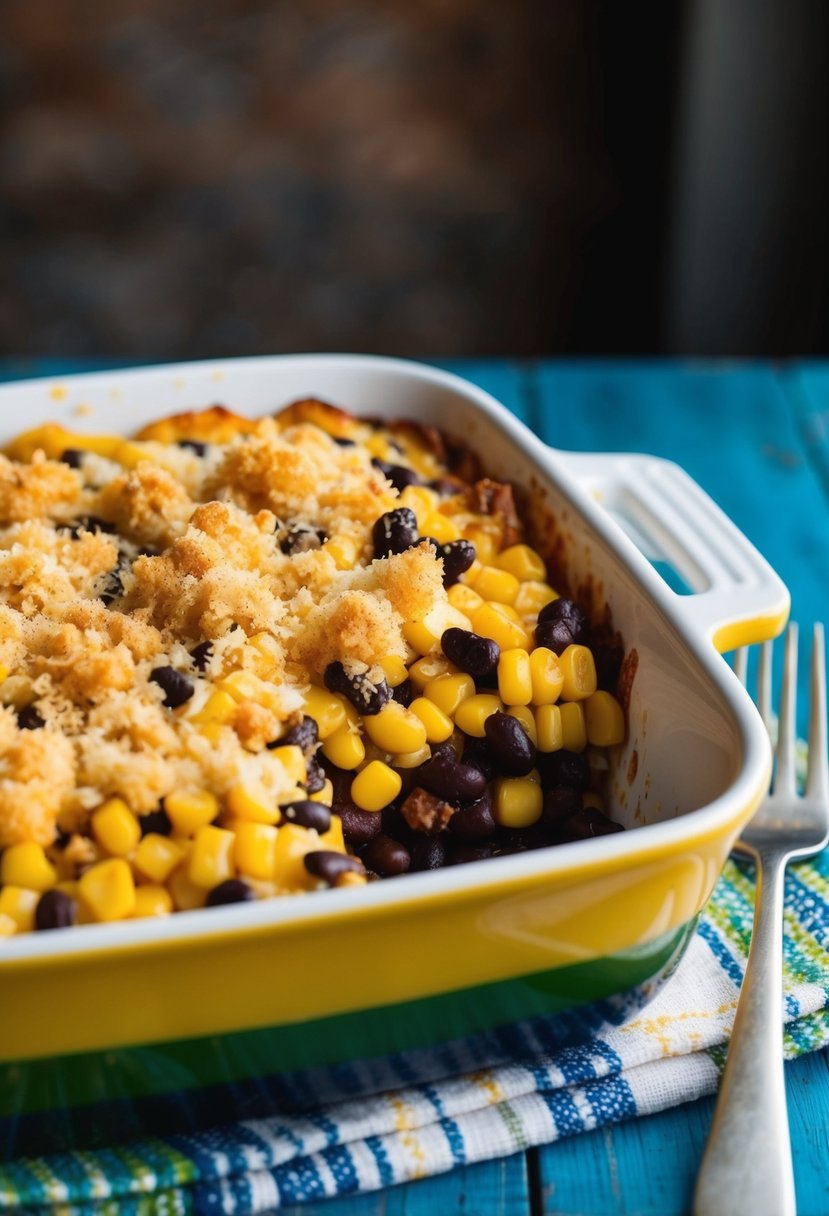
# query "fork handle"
(747, 1165)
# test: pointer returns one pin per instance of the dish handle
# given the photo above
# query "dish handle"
(724, 588)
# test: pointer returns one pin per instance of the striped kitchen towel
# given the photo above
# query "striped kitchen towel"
(670, 1052)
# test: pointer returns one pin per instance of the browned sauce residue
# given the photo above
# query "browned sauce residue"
(633, 765)
(627, 675)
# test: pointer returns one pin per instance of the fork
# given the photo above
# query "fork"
(747, 1164)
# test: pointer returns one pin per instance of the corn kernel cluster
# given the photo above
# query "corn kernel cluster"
(374, 793)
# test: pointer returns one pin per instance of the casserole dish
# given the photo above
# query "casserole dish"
(114, 1030)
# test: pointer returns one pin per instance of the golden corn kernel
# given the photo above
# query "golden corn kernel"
(241, 685)
(448, 691)
(157, 856)
(441, 527)
(578, 670)
(494, 621)
(514, 680)
(376, 786)
(424, 635)
(351, 878)
(474, 711)
(523, 562)
(190, 810)
(395, 729)
(547, 676)
(4, 671)
(255, 853)
(517, 802)
(325, 795)
(333, 838)
(107, 889)
(344, 747)
(464, 598)
(532, 597)
(592, 800)
(497, 585)
(411, 759)
(437, 725)
(115, 827)
(213, 732)
(293, 761)
(19, 904)
(524, 715)
(151, 900)
(344, 550)
(573, 729)
(186, 895)
(252, 803)
(429, 668)
(211, 857)
(548, 728)
(394, 669)
(604, 719)
(326, 708)
(26, 865)
(218, 708)
(8, 926)
(469, 576)
(422, 501)
(373, 752)
(292, 843)
(487, 542)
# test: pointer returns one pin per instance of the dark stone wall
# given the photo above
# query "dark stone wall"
(183, 178)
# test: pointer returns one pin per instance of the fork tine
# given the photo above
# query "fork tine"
(741, 665)
(764, 685)
(785, 781)
(817, 784)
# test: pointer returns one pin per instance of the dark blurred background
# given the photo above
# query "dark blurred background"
(428, 177)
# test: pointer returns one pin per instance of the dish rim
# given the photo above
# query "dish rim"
(573, 860)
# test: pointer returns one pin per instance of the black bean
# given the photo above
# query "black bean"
(561, 623)
(394, 532)
(475, 822)
(387, 857)
(302, 538)
(55, 910)
(608, 658)
(564, 768)
(395, 825)
(477, 755)
(113, 586)
(473, 654)
(403, 694)
(588, 822)
(400, 475)
(510, 744)
(194, 445)
(458, 556)
(28, 718)
(231, 891)
(428, 853)
(560, 803)
(429, 540)
(342, 442)
(308, 815)
(304, 735)
(329, 865)
(367, 697)
(314, 775)
(158, 821)
(201, 655)
(359, 826)
(461, 854)
(455, 782)
(178, 688)
(340, 779)
(73, 457)
(445, 486)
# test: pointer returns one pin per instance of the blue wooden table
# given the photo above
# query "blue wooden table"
(756, 437)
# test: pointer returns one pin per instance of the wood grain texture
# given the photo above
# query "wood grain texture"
(757, 439)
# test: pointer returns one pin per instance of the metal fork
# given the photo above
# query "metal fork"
(747, 1165)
